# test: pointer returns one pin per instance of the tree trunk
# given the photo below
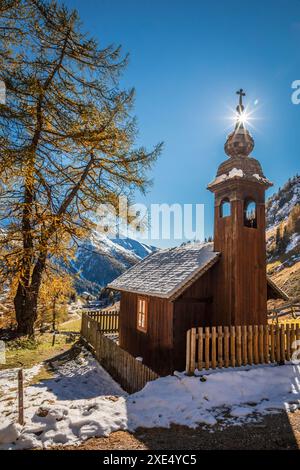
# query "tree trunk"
(25, 302)
(26, 299)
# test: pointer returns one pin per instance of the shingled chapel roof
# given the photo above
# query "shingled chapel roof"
(167, 273)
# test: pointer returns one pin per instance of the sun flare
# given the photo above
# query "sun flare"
(243, 118)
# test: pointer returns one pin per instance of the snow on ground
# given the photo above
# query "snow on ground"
(82, 401)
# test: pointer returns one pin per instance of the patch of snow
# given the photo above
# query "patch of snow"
(218, 179)
(241, 411)
(83, 401)
(190, 401)
(80, 401)
(139, 249)
(294, 242)
(235, 172)
(261, 178)
(10, 432)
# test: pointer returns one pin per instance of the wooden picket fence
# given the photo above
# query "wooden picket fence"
(234, 346)
(108, 320)
(130, 373)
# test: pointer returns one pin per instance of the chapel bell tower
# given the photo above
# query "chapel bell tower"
(239, 231)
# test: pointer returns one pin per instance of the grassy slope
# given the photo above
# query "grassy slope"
(289, 279)
(26, 353)
(71, 325)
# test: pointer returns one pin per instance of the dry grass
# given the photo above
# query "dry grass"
(289, 279)
(23, 352)
(72, 325)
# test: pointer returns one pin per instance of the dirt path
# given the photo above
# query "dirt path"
(280, 431)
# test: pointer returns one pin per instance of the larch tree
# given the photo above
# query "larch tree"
(66, 140)
(54, 295)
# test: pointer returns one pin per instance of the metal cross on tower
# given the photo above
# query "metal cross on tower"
(240, 106)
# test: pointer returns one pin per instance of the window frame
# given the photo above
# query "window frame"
(247, 202)
(139, 327)
(224, 200)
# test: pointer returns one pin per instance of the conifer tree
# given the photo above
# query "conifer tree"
(66, 138)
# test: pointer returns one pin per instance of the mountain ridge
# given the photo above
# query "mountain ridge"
(100, 259)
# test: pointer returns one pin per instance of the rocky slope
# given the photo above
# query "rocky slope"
(283, 236)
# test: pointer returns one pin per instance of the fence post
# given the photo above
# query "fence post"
(261, 344)
(232, 346)
(282, 344)
(21, 397)
(207, 335)
(193, 350)
(250, 344)
(213, 348)
(272, 343)
(277, 331)
(255, 345)
(239, 345)
(97, 344)
(288, 342)
(244, 345)
(200, 348)
(226, 345)
(188, 352)
(220, 346)
(266, 344)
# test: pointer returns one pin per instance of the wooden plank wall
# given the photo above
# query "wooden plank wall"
(131, 374)
(155, 345)
(240, 284)
(192, 308)
(235, 346)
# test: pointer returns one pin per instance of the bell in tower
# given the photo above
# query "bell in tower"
(239, 231)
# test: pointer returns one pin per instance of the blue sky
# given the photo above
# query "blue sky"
(187, 59)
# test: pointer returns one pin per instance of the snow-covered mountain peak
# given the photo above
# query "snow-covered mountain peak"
(100, 259)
